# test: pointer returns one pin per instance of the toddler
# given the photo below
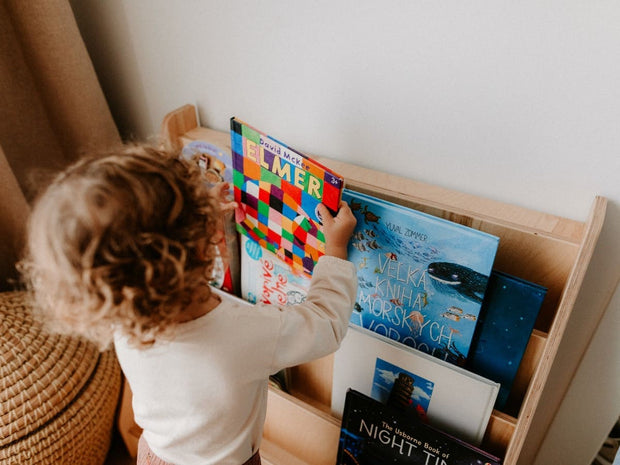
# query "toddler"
(121, 248)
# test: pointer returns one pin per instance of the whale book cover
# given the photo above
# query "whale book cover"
(509, 311)
(421, 279)
(278, 191)
(373, 433)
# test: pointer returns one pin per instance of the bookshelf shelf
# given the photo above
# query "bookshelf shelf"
(546, 249)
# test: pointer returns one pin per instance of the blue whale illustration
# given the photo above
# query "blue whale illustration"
(465, 281)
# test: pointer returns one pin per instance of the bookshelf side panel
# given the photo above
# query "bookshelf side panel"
(571, 288)
(300, 430)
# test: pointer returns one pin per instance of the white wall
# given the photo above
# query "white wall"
(515, 101)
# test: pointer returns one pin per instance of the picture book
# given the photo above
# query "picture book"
(265, 278)
(278, 191)
(215, 163)
(213, 160)
(373, 433)
(421, 278)
(509, 311)
(435, 391)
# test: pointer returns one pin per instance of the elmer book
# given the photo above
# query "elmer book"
(376, 434)
(421, 278)
(278, 191)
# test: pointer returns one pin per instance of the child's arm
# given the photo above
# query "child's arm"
(337, 229)
(315, 327)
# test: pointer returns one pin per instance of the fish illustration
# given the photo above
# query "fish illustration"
(396, 302)
(470, 317)
(359, 246)
(391, 256)
(363, 263)
(369, 216)
(359, 235)
(416, 317)
(424, 296)
(455, 310)
(370, 233)
(377, 270)
(355, 205)
(451, 316)
(357, 307)
(373, 245)
(465, 281)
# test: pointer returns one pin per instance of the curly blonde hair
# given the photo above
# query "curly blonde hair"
(121, 242)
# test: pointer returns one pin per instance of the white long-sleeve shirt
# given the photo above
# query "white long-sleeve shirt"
(201, 398)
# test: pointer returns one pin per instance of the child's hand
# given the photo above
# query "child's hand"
(220, 191)
(337, 229)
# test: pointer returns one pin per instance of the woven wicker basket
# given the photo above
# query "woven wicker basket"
(58, 394)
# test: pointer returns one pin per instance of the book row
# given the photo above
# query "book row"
(431, 313)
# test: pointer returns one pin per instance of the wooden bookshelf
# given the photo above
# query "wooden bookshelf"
(546, 249)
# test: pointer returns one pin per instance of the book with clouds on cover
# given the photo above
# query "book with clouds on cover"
(444, 395)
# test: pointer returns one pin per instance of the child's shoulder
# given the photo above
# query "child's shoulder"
(226, 297)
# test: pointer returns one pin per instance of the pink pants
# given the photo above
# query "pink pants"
(147, 457)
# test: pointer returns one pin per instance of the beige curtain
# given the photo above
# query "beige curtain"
(52, 110)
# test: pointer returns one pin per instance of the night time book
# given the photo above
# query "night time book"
(421, 278)
(278, 191)
(442, 394)
(509, 311)
(376, 434)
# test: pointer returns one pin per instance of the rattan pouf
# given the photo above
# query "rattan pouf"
(58, 394)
